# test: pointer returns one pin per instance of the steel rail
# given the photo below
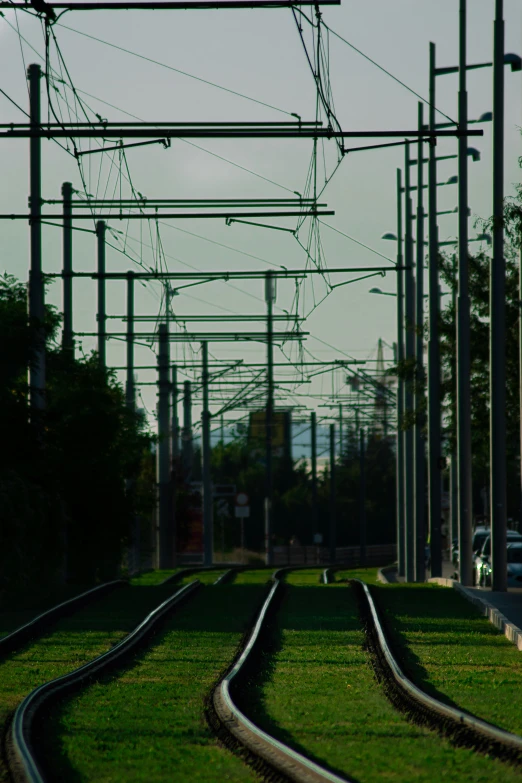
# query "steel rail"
(288, 762)
(45, 620)
(21, 754)
(479, 732)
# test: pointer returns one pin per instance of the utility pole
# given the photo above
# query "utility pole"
(269, 298)
(434, 419)
(408, 393)
(520, 370)
(340, 432)
(400, 388)
(174, 414)
(165, 539)
(208, 532)
(187, 430)
(130, 390)
(362, 498)
(313, 431)
(102, 312)
(463, 332)
(333, 520)
(36, 285)
(420, 455)
(67, 333)
(497, 314)
(454, 466)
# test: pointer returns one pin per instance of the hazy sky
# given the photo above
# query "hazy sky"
(257, 53)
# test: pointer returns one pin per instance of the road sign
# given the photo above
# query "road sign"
(318, 538)
(242, 512)
(242, 499)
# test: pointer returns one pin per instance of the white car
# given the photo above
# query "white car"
(482, 571)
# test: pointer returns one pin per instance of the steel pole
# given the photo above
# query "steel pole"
(434, 416)
(520, 369)
(269, 298)
(400, 387)
(102, 312)
(497, 311)
(165, 548)
(333, 500)
(340, 432)
(463, 333)
(174, 414)
(409, 326)
(362, 498)
(187, 430)
(36, 284)
(130, 389)
(313, 437)
(420, 449)
(67, 333)
(208, 532)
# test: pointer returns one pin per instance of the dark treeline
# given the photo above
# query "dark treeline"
(65, 508)
(293, 509)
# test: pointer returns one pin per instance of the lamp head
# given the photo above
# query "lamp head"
(474, 153)
(389, 235)
(486, 117)
(452, 180)
(375, 291)
(485, 238)
(514, 61)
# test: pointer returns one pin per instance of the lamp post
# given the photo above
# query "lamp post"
(464, 454)
(409, 356)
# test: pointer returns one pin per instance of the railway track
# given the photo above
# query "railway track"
(460, 726)
(46, 620)
(267, 754)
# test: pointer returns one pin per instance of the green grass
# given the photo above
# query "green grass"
(256, 576)
(20, 608)
(452, 650)
(72, 642)
(146, 723)
(205, 577)
(153, 577)
(368, 575)
(317, 692)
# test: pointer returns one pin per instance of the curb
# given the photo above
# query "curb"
(499, 620)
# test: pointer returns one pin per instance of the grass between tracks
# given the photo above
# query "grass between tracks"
(453, 652)
(72, 642)
(146, 723)
(317, 692)
(20, 608)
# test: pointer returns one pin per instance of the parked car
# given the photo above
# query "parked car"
(482, 566)
(479, 536)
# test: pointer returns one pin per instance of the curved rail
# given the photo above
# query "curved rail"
(466, 728)
(21, 753)
(46, 619)
(290, 764)
(225, 577)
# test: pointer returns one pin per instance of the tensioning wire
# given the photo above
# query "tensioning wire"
(377, 65)
(178, 70)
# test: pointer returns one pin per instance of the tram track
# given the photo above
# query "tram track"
(273, 759)
(22, 738)
(43, 622)
(460, 727)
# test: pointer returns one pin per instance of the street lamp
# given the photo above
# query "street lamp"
(497, 309)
